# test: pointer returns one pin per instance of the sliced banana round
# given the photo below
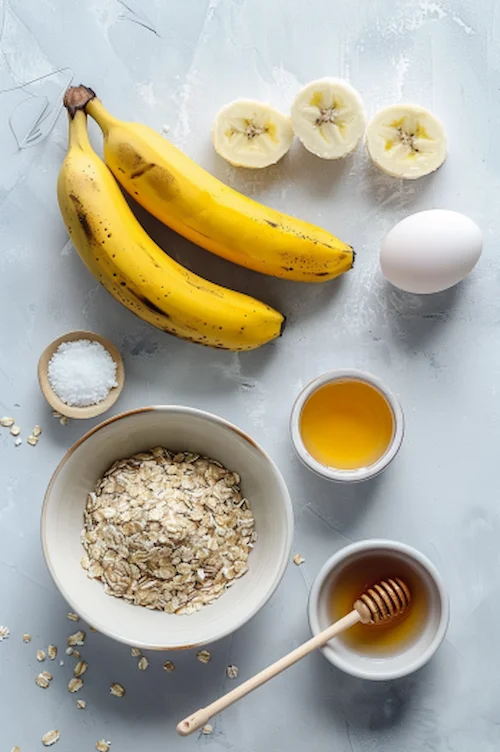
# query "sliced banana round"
(328, 117)
(251, 134)
(406, 141)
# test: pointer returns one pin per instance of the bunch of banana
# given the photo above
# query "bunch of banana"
(134, 269)
(198, 206)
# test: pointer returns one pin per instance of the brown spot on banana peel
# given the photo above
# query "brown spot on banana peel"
(82, 217)
(142, 171)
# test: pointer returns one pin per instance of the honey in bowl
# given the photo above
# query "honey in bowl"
(347, 424)
(388, 638)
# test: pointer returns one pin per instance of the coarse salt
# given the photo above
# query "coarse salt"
(82, 373)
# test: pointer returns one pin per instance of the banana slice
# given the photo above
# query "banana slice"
(251, 134)
(328, 117)
(406, 141)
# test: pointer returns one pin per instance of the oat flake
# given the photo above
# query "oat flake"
(78, 638)
(207, 729)
(169, 666)
(50, 738)
(135, 652)
(72, 616)
(75, 685)
(7, 422)
(52, 652)
(232, 672)
(142, 663)
(117, 690)
(41, 655)
(26, 638)
(298, 559)
(204, 656)
(81, 704)
(4, 633)
(80, 668)
(102, 745)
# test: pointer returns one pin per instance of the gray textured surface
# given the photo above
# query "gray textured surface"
(439, 354)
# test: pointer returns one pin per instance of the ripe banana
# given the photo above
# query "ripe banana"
(251, 134)
(198, 206)
(328, 117)
(136, 271)
(406, 141)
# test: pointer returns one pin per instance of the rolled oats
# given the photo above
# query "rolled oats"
(232, 672)
(43, 680)
(4, 633)
(167, 531)
(41, 655)
(135, 652)
(15, 430)
(72, 616)
(142, 663)
(78, 638)
(169, 666)
(81, 704)
(52, 652)
(204, 656)
(80, 668)
(117, 690)
(207, 729)
(102, 745)
(298, 559)
(26, 638)
(6, 422)
(15, 749)
(50, 738)
(75, 685)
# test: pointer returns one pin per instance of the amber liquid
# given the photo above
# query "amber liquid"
(347, 424)
(396, 635)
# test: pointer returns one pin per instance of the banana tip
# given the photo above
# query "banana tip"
(77, 97)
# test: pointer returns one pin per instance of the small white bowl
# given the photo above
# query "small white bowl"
(410, 657)
(181, 428)
(335, 474)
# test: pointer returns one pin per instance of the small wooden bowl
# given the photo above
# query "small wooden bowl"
(91, 411)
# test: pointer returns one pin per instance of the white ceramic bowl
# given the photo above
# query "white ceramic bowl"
(181, 428)
(410, 657)
(332, 473)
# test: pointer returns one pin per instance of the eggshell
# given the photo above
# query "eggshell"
(430, 251)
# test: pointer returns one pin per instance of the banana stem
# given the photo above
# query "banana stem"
(78, 134)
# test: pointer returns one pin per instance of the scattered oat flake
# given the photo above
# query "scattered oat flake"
(298, 559)
(18, 441)
(42, 681)
(102, 745)
(4, 633)
(75, 653)
(7, 422)
(207, 729)
(32, 440)
(26, 637)
(81, 704)
(72, 616)
(55, 414)
(232, 672)
(41, 655)
(169, 666)
(93, 629)
(142, 663)
(69, 650)
(80, 668)
(36, 431)
(204, 656)
(135, 652)
(117, 690)
(63, 420)
(15, 749)
(52, 652)
(78, 638)
(75, 685)
(50, 738)
(15, 430)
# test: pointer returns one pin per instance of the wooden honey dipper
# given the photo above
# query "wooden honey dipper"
(379, 604)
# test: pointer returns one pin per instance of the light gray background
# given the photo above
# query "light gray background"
(174, 64)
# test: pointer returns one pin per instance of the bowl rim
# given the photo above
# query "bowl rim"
(361, 547)
(210, 417)
(334, 474)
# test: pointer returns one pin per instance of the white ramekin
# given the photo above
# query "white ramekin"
(414, 655)
(335, 474)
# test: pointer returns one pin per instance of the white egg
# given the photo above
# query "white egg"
(430, 251)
